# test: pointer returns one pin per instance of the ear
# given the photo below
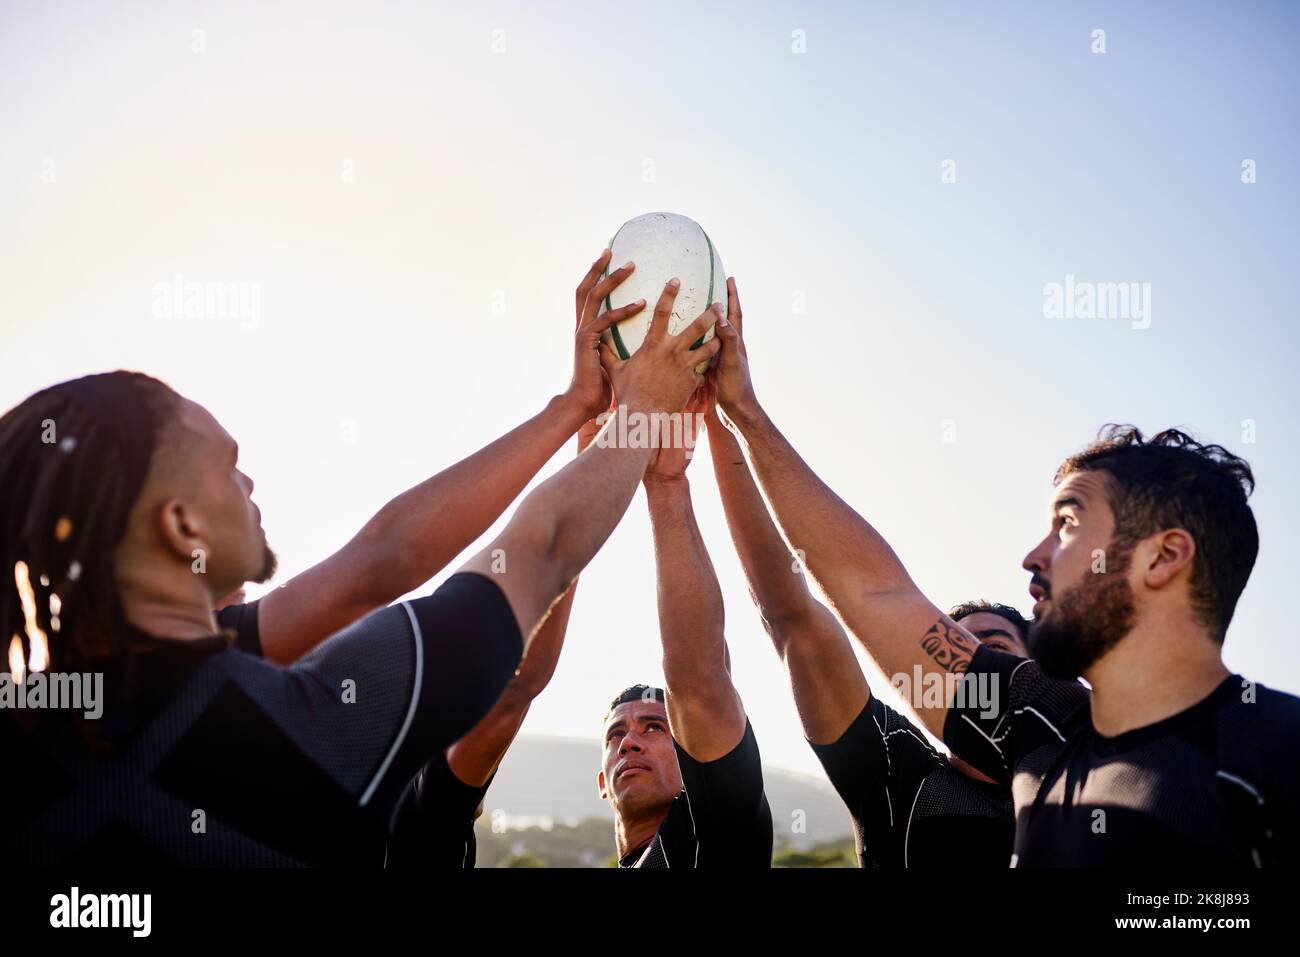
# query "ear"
(1169, 556)
(600, 785)
(179, 530)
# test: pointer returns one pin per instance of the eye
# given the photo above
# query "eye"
(654, 726)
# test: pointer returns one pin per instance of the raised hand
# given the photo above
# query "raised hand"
(589, 388)
(730, 374)
(677, 445)
(661, 374)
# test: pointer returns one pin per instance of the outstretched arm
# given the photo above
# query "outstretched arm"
(475, 757)
(830, 690)
(867, 585)
(564, 521)
(704, 711)
(414, 536)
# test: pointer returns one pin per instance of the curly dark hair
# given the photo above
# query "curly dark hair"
(1172, 481)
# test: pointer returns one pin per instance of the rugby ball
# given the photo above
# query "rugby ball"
(663, 245)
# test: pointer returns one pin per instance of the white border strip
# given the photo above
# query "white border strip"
(410, 711)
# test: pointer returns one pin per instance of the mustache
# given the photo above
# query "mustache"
(1042, 583)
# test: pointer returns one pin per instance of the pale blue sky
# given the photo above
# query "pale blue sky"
(485, 178)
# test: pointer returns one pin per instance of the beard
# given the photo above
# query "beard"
(269, 565)
(1086, 621)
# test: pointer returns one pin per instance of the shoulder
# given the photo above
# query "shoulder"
(1259, 725)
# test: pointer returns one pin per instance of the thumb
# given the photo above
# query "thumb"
(608, 357)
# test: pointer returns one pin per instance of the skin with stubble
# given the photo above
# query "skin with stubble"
(639, 775)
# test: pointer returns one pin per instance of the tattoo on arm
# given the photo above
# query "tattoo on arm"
(950, 645)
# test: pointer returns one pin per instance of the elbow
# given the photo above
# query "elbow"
(784, 629)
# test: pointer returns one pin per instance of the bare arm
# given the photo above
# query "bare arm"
(830, 690)
(564, 521)
(704, 711)
(411, 538)
(867, 585)
(475, 757)
(415, 535)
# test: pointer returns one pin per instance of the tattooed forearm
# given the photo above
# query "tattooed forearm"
(950, 645)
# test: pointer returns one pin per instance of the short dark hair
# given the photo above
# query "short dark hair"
(993, 608)
(635, 693)
(1172, 481)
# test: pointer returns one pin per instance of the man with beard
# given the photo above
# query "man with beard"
(911, 805)
(681, 766)
(1173, 760)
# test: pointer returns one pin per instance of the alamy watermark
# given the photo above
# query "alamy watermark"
(934, 689)
(39, 690)
(74, 909)
(180, 299)
(1098, 300)
(650, 430)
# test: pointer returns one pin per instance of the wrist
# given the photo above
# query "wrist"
(663, 482)
(744, 414)
(569, 409)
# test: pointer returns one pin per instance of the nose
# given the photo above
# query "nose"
(1039, 560)
(631, 742)
(248, 483)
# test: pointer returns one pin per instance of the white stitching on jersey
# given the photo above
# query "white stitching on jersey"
(907, 835)
(1254, 792)
(1041, 718)
(981, 733)
(924, 743)
(885, 738)
(410, 712)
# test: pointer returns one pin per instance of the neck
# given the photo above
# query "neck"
(1166, 664)
(165, 602)
(633, 832)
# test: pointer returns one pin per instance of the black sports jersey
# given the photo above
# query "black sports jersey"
(242, 620)
(721, 817)
(910, 806)
(435, 822)
(1215, 785)
(207, 755)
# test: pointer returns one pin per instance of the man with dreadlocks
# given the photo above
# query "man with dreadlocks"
(126, 512)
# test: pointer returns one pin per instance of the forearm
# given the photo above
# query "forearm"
(559, 527)
(475, 757)
(861, 576)
(774, 576)
(836, 542)
(690, 602)
(829, 687)
(412, 537)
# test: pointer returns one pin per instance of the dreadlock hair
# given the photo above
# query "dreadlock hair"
(65, 497)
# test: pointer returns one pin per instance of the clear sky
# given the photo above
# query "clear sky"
(412, 190)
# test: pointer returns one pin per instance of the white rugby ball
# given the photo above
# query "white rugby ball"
(663, 245)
